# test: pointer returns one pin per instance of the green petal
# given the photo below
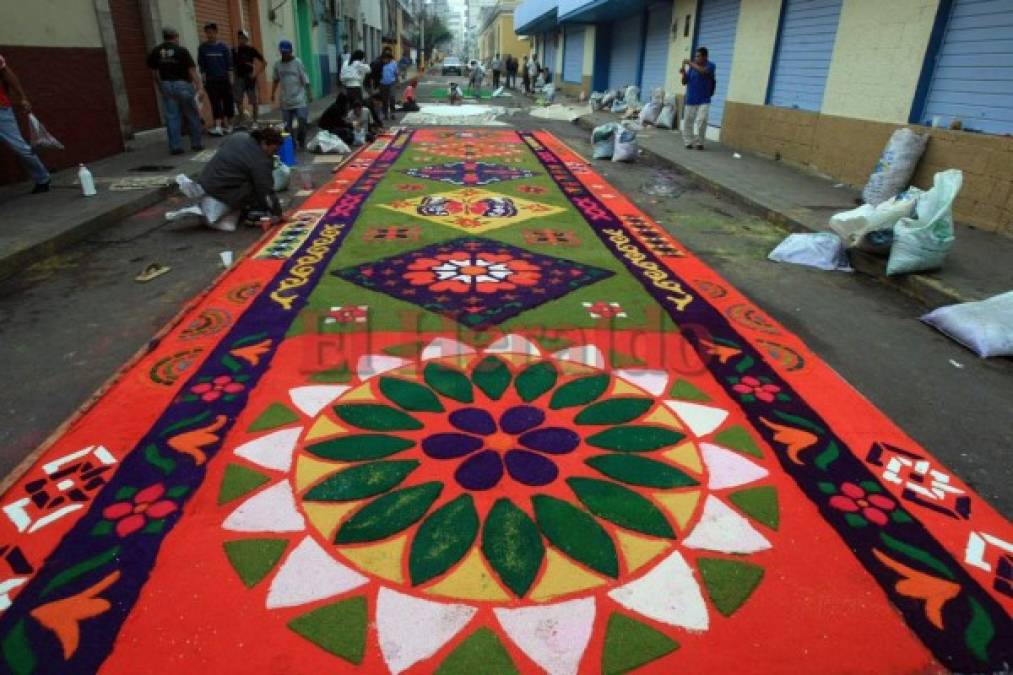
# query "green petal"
(253, 559)
(389, 514)
(238, 481)
(635, 438)
(630, 644)
(637, 470)
(376, 417)
(760, 503)
(450, 382)
(359, 482)
(359, 447)
(729, 582)
(512, 545)
(737, 438)
(276, 415)
(576, 534)
(492, 376)
(535, 380)
(339, 628)
(482, 653)
(622, 506)
(614, 411)
(410, 395)
(579, 392)
(442, 539)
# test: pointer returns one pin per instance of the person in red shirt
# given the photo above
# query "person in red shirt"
(9, 131)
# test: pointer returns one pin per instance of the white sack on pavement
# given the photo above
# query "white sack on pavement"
(823, 250)
(985, 327)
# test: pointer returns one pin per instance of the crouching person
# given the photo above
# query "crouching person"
(239, 179)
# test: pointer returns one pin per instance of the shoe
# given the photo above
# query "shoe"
(178, 151)
(40, 188)
(217, 131)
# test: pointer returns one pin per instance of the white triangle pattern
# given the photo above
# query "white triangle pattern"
(729, 469)
(270, 510)
(273, 450)
(312, 399)
(722, 529)
(701, 419)
(441, 347)
(309, 574)
(371, 365)
(412, 629)
(553, 636)
(668, 593)
(654, 381)
(586, 354)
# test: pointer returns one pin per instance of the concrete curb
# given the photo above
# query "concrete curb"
(928, 291)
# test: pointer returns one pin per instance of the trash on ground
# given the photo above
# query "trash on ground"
(853, 225)
(226, 257)
(664, 184)
(956, 364)
(603, 140)
(626, 145)
(500, 93)
(984, 327)
(326, 142)
(921, 243)
(557, 111)
(895, 166)
(151, 271)
(736, 155)
(824, 250)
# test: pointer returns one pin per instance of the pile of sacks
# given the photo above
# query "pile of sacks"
(618, 101)
(614, 141)
(659, 111)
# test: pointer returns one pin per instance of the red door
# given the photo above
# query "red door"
(133, 51)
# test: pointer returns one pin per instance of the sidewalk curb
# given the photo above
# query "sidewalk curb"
(926, 290)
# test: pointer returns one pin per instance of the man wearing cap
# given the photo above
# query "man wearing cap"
(215, 60)
(246, 58)
(291, 78)
(10, 133)
(175, 75)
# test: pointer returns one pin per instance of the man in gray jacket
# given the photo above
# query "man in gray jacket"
(240, 178)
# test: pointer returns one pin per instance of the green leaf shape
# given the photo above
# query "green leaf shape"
(622, 506)
(637, 470)
(635, 438)
(916, 553)
(980, 631)
(580, 391)
(450, 382)
(576, 534)
(359, 482)
(828, 456)
(614, 411)
(687, 392)
(102, 528)
(376, 417)
(339, 628)
(729, 583)
(276, 415)
(410, 395)
(481, 652)
(253, 559)
(165, 464)
(238, 481)
(744, 364)
(334, 375)
(387, 515)
(492, 376)
(81, 568)
(442, 539)
(630, 644)
(737, 438)
(359, 447)
(512, 545)
(125, 492)
(189, 421)
(535, 380)
(17, 650)
(760, 503)
(408, 349)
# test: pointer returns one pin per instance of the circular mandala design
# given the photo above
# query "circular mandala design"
(168, 370)
(750, 317)
(244, 292)
(210, 321)
(786, 356)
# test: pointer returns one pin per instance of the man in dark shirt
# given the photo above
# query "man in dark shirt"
(249, 65)
(175, 75)
(240, 176)
(215, 60)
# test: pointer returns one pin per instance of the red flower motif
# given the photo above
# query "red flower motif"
(465, 272)
(348, 314)
(605, 310)
(873, 506)
(531, 189)
(751, 385)
(216, 388)
(132, 515)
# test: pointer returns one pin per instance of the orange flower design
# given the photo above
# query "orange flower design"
(465, 272)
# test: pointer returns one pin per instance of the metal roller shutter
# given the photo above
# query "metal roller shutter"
(549, 52)
(973, 76)
(573, 56)
(717, 23)
(625, 55)
(133, 50)
(659, 24)
(804, 50)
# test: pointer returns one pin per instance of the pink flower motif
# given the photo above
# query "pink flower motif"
(348, 314)
(751, 385)
(605, 310)
(213, 390)
(873, 506)
(131, 516)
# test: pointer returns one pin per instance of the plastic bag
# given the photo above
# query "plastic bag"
(327, 142)
(658, 96)
(823, 250)
(632, 96)
(548, 94)
(666, 118)
(594, 101)
(40, 136)
(853, 225)
(603, 141)
(649, 113)
(619, 106)
(214, 209)
(608, 98)
(985, 327)
(626, 145)
(188, 187)
(922, 243)
(282, 175)
(895, 166)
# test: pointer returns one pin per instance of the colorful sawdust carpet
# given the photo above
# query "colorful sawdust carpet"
(514, 428)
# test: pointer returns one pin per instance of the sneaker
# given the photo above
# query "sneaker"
(217, 131)
(40, 188)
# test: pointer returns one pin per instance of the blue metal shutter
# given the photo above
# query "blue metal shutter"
(625, 55)
(659, 27)
(717, 23)
(973, 77)
(549, 54)
(804, 50)
(573, 56)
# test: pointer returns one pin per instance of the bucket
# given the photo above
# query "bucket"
(286, 153)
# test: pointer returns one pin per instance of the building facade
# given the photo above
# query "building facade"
(496, 33)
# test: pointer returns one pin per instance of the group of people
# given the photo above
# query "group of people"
(504, 73)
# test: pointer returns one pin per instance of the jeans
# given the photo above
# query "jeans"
(11, 135)
(386, 91)
(695, 124)
(178, 97)
(303, 115)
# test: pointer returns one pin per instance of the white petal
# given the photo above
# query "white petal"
(722, 529)
(701, 419)
(310, 574)
(441, 347)
(273, 451)
(313, 398)
(270, 510)
(371, 365)
(727, 468)
(668, 594)
(513, 344)
(553, 636)
(654, 381)
(588, 354)
(412, 629)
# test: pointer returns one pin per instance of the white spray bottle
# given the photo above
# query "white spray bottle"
(87, 182)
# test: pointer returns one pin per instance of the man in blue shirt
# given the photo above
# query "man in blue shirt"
(215, 61)
(698, 76)
(388, 79)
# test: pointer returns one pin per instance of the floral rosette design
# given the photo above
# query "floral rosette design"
(527, 481)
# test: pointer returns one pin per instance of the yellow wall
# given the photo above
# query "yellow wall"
(754, 51)
(680, 46)
(589, 41)
(878, 58)
(49, 23)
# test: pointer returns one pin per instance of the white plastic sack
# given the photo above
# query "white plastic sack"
(896, 166)
(326, 142)
(666, 118)
(39, 136)
(549, 94)
(603, 141)
(658, 96)
(985, 327)
(824, 250)
(619, 106)
(852, 225)
(608, 98)
(649, 113)
(189, 188)
(282, 175)
(626, 145)
(922, 243)
(632, 96)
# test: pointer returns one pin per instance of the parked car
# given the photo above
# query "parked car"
(452, 64)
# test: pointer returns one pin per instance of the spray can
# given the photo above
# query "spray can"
(87, 182)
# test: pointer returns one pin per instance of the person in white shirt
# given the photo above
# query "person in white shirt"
(353, 72)
(533, 70)
(475, 79)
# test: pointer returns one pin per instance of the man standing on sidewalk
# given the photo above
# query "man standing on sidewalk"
(249, 65)
(175, 74)
(388, 78)
(497, 68)
(700, 84)
(532, 73)
(290, 75)
(215, 60)
(9, 131)
(511, 71)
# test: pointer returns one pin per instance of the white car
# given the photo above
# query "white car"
(452, 64)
